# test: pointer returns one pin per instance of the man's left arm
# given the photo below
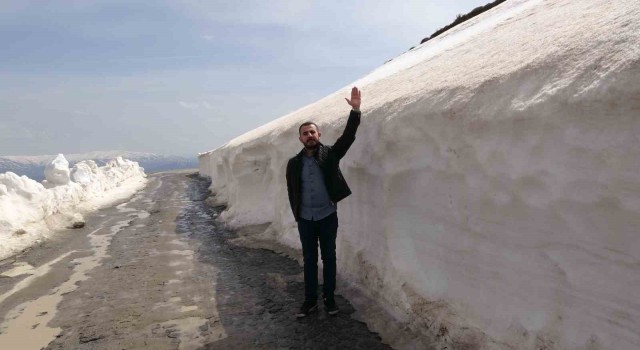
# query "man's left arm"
(348, 136)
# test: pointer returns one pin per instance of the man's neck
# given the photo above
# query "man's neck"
(309, 152)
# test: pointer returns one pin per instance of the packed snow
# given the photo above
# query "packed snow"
(496, 195)
(30, 211)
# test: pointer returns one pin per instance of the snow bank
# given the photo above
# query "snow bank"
(29, 210)
(57, 171)
(495, 177)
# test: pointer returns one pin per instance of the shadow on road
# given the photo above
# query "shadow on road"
(258, 292)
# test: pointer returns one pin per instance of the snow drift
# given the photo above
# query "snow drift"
(29, 210)
(495, 176)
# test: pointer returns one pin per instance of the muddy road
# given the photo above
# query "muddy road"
(158, 272)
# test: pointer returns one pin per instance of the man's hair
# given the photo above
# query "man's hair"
(305, 124)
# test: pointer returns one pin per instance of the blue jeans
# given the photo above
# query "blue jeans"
(325, 231)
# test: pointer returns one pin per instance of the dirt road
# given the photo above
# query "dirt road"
(157, 272)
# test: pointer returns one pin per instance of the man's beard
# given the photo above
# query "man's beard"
(311, 147)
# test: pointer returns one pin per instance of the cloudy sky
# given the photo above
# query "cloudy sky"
(182, 77)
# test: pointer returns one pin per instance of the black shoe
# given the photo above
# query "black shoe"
(307, 307)
(330, 306)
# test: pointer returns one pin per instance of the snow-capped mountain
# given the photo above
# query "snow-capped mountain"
(33, 166)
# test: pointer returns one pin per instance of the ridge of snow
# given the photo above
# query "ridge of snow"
(30, 211)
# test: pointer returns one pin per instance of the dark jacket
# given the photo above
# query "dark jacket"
(328, 158)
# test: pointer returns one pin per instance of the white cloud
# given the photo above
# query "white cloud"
(187, 105)
(257, 12)
(196, 105)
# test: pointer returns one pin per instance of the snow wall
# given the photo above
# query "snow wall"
(30, 210)
(495, 178)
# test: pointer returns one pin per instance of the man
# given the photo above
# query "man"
(315, 184)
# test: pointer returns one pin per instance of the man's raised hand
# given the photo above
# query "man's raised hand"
(355, 100)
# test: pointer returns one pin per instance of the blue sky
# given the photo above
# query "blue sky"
(182, 77)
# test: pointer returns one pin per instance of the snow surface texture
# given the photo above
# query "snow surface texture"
(57, 171)
(29, 210)
(496, 196)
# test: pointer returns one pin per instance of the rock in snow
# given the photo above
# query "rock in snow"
(30, 210)
(495, 179)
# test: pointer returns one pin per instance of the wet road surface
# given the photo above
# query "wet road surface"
(158, 272)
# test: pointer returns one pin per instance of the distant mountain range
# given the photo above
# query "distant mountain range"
(33, 166)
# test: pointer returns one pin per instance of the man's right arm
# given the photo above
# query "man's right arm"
(345, 141)
(348, 136)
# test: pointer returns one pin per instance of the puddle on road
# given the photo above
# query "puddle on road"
(38, 272)
(20, 268)
(25, 327)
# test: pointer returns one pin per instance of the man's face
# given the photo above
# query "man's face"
(309, 136)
